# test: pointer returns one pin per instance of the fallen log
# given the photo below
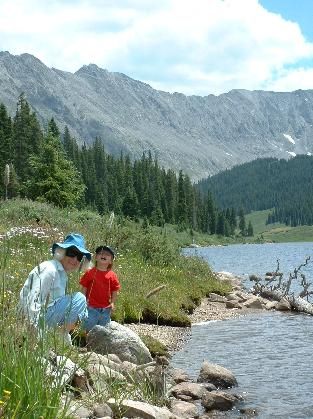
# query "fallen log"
(277, 290)
(297, 303)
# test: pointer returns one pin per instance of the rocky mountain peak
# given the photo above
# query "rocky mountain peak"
(201, 135)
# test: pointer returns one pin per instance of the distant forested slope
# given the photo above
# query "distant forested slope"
(285, 185)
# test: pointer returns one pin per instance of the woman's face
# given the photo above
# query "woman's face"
(72, 259)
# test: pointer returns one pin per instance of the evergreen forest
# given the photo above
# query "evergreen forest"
(49, 166)
(285, 187)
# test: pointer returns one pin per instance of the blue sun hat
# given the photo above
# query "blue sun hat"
(76, 240)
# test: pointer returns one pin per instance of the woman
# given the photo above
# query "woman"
(43, 300)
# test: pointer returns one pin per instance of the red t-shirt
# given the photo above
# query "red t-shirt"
(100, 286)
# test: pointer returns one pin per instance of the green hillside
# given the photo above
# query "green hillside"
(284, 185)
(277, 232)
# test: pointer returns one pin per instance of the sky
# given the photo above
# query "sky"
(195, 47)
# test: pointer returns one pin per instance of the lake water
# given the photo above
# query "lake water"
(270, 353)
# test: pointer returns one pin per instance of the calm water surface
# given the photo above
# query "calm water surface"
(269, 353)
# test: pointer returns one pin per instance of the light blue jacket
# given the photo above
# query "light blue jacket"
(45, 284)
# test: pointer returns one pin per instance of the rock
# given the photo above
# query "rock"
(283, 305)
(91, 358)
(271, 305)
(209, 386)
(249, 411)
(77, 411)
(232, 297)
(219, 400)
(133, 409)
(62, 370)
(217, 375)
(193, 390)
(254, 302)
(184, 409)
(179, 375)
(102, 410)
(216, 298)
(118, 339)
(233, 304)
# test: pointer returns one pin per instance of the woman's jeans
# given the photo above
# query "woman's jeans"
(67, 310)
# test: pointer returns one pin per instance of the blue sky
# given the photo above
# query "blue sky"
(300, 11)
(196, 47)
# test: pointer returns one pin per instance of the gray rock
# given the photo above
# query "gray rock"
(218, 400)
(184, 409)
(142, 410)
(118, 339)
(216, 298)
(179, 375)
(233, 304)
(283, 305)
(219, 376)
(102, 410)
(193, 390)
(254, 302)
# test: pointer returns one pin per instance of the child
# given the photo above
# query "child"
(100, 285)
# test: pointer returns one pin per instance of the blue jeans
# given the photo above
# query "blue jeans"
(97, 316)
(67, 310)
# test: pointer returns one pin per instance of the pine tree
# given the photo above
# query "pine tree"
(181, 210)
(250, 229)
(130, 203)
(27, 139)
(242, 222)
(220, 227)
(54, 179)
(53, 129)
(211, 215)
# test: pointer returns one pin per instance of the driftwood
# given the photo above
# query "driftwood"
(275, 287)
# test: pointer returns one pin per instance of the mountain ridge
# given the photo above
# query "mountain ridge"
(200, 135)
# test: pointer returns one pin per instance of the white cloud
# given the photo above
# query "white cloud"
(197, 47)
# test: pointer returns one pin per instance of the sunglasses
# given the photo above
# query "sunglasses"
(73, 253)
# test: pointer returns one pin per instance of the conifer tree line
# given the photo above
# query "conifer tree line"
(49, 166)
(284, 187)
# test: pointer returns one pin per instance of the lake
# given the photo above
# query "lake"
(270, 353)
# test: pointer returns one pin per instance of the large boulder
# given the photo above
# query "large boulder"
(137, 409)
(219, 376)
(191, 390)
(218, 400)
(120, 340)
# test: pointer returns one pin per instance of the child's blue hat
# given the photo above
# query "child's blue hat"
(73, 240)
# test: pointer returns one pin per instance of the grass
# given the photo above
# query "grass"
(147, 259)
(277, 232)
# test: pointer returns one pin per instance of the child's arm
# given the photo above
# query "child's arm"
(84, 290)
(113, 299)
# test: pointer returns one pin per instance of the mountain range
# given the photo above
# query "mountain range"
(200, 135)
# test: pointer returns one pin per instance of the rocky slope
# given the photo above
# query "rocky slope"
(201, 135)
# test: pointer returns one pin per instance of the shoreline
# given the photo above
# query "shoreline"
(174, 338)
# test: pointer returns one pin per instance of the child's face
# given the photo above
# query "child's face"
(104, 259)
